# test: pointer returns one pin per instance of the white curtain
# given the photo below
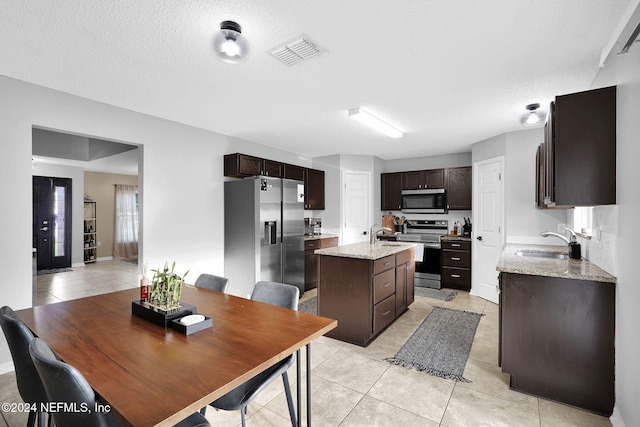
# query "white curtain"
(126, 236)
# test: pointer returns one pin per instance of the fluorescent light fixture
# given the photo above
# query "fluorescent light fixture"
(372, 121)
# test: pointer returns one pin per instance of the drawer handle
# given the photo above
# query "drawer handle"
(455, 258)
(457, 276)
(387, 263)
(386, 313)
(455, 245)
(386, 285)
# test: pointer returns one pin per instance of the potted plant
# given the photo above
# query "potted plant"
(166, 288)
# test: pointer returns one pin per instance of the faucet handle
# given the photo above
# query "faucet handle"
(574, 237)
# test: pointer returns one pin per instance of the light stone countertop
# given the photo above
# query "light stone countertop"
(365, 250)
(319, 236)
(568, 268)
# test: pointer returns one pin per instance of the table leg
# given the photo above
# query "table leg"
(309, 385)
(299, 390)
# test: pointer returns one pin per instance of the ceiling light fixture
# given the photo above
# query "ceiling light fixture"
(533, 117)
(229, 43)
(372, 121)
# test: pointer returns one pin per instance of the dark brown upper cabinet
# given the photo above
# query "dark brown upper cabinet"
(391, 191)
(415, 180)
(314, 189)
(579, 161)
(294, 172)
(274, 169)
(241, 165)
(458, 186)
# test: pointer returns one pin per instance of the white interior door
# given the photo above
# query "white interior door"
(355, 227)
(488, 226)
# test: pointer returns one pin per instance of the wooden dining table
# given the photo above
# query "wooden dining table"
(151, 376)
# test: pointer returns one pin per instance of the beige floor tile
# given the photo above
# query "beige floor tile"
(554, 414)
(484, 350)
(374, 413)
(491, 308)
(230, 418)
(351, 370)
(330, 402)
(416, 392)
(470, 408)
(489, 379)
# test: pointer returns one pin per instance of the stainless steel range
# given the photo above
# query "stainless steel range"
(427, 233)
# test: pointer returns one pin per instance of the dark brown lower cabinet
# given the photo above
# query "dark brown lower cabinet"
(363, 295)
(311, 259)
(557, 339)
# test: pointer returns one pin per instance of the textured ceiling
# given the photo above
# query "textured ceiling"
(446, 72)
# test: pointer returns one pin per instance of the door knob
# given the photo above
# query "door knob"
(44, 229)
(479, 238)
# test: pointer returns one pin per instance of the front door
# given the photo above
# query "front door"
(488, 226)
(52, 221)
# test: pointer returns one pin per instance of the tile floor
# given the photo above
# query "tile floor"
(354, 386)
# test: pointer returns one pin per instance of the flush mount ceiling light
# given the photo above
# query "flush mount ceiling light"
(533, 117)
(372, 121)
(229, 43)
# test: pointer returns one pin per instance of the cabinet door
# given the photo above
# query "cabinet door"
(459, 188)
(391, 191)
(401, 287)
(540, 177)
(411, 276)
(240, 165)
(294, 172)
(274, 169)
(434, 178)
(412, 180)
(314, 189)
(310, 270)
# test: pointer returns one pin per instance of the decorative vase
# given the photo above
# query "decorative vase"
(166, 288)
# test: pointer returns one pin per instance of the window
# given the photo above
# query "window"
(583, 220)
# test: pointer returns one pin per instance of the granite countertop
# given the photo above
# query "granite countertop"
(319, 236)
(567, 268)
(365, 250)
(459, 238)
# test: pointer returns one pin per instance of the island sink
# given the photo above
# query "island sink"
(542, 254)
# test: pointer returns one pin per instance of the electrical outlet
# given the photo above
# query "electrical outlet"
(99, 243)
(561, 229)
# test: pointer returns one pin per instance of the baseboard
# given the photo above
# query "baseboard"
(78, 264)
(104, 258)
(6, 367)
(616, 418)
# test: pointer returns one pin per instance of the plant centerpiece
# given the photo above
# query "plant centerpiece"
(166, 288)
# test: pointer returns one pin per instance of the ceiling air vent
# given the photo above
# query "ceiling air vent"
(296, 51)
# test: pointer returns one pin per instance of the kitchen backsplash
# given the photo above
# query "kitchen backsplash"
(452, 217)
(601, 248)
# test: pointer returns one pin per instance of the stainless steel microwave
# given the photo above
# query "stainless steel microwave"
(424, 201)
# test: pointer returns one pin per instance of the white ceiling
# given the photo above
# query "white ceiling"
(446, 72)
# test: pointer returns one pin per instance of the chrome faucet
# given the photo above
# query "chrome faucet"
(374, 231)
(574, 246)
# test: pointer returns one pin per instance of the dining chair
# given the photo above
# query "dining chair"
(30, 387)
(65, 385)
(282, 295)
(210, 281)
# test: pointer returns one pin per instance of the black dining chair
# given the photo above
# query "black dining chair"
(281, 295)
(213, 282)
(64, 384)
(29, 385)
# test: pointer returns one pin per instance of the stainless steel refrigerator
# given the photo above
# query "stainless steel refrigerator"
(263, 232)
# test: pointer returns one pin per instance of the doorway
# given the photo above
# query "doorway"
(355, 227)
(52, 222)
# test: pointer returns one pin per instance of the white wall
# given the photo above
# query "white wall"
(182, 182)
(624, 71)
(429, 162)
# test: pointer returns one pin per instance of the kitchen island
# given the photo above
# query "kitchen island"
(557, 326)
(365, 287)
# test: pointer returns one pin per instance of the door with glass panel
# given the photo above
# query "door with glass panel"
(52, 221)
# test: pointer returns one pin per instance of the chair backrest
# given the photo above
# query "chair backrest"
(19, 337)
(215, 283)
(276, 294)
(64, 384)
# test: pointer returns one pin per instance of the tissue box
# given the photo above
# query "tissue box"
(190, 329)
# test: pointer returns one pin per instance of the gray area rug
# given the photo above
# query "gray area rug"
(309, 306)
(441, 344)
(441, 294)
(53, 270)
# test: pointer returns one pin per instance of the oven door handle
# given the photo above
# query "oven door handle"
(431, 245)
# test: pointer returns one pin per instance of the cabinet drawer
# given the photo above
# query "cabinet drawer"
(459, 278)
(311, 244)
(460, 259)
(383, 264)
(404, 257)
(384, 313)
(456, 245)
(329, 243)
(384, 284)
